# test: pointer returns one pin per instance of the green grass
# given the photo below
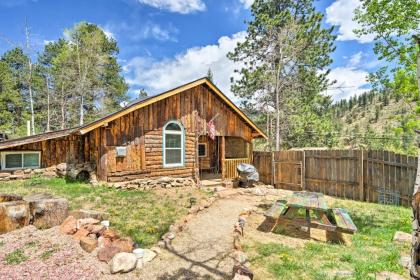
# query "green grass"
(370, 251)
(143, 215)
(15, 257)
(48, 253)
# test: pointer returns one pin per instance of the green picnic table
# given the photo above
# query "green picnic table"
(316, 213)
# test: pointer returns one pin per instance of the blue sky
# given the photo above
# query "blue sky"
(164, 43)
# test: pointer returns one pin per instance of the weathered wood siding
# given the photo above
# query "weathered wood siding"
(69, 149)
(374, 176)
(141, 132)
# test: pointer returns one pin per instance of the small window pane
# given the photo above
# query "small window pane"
(173, 156)
(201, 150)
(31, 160)
(173, 126)
(13, 161)
(173, 141)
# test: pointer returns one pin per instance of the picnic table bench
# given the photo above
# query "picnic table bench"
(335, 219)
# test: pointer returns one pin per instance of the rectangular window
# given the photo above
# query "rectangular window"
(20, 160)
(202, 149)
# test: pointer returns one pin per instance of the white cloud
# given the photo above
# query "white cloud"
(247, 3)
(349, 81)
(177, 6)
(355, 59)
(340, 13)
(159, 75)
(108, 33)
(146, 31)
(46, 42)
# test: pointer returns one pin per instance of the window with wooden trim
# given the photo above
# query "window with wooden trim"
(202, 149)
(173, 144)
(20, 160)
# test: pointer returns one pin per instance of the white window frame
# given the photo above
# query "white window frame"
(205, 149)
(3, 159)
(174, 132)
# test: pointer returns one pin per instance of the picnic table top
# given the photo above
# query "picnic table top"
(308, 200)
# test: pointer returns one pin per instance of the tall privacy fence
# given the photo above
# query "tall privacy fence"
(374, 176)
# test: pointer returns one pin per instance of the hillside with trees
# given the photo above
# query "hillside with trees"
(73, 80)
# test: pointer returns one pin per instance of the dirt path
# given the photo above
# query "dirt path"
(202, 250)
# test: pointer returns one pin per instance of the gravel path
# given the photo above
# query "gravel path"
(202, 250)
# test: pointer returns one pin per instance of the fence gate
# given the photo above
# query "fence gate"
(287, 170)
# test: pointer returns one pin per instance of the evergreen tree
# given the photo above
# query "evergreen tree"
(285, 50)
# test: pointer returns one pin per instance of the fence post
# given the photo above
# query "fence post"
(303, 175)
(361, 181)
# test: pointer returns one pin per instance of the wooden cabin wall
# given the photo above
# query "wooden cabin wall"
(73, 149)
(141, 133)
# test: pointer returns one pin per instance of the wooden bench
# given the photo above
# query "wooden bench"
(343, 221)
(276, 209)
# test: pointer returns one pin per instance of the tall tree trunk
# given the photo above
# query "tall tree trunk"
(48, 105)
(31, 99)
(81, 111)
(415, 249)
(63, 107)
(277, 120)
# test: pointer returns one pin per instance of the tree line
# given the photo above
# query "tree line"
(72, 81)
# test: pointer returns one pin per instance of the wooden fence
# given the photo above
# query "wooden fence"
(374, 176)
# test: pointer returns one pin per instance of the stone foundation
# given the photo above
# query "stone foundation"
(75, 171)
(162, 182)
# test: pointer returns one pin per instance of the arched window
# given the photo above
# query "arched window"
(173, 144)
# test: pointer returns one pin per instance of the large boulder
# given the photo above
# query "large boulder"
(13, 215)
(83, 214)
(123, 262)
(47, 211)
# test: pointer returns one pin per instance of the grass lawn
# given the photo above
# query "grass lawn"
(143, 215)
(371, 249)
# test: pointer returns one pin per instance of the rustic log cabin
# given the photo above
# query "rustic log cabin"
(188, 131)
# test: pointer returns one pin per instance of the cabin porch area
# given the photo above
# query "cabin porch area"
(218, 158)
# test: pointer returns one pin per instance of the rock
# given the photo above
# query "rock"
(9, 197)
(386, 275)
(110, 233)
(403, 237)
(165, 179)
(87, 221)
(104, 242)
(123, 262)
(13, 215)
(239, 257)
(149, 255)
(83, 214)
(157, 250)
(170, 235)
(46, 211)
(194, 209)
(80, 233)
(4, 174)
(69, 226)
(139, 264)
(405, 261)
(18, 172)
(258, 191)
(124, 244)
(107, 253)
(95, 229)
(88, 244)
(240, 277)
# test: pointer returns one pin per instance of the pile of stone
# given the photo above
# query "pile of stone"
(91, 229)
(241, 270)
(162, 182)
(41, 210)
(85, 171)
